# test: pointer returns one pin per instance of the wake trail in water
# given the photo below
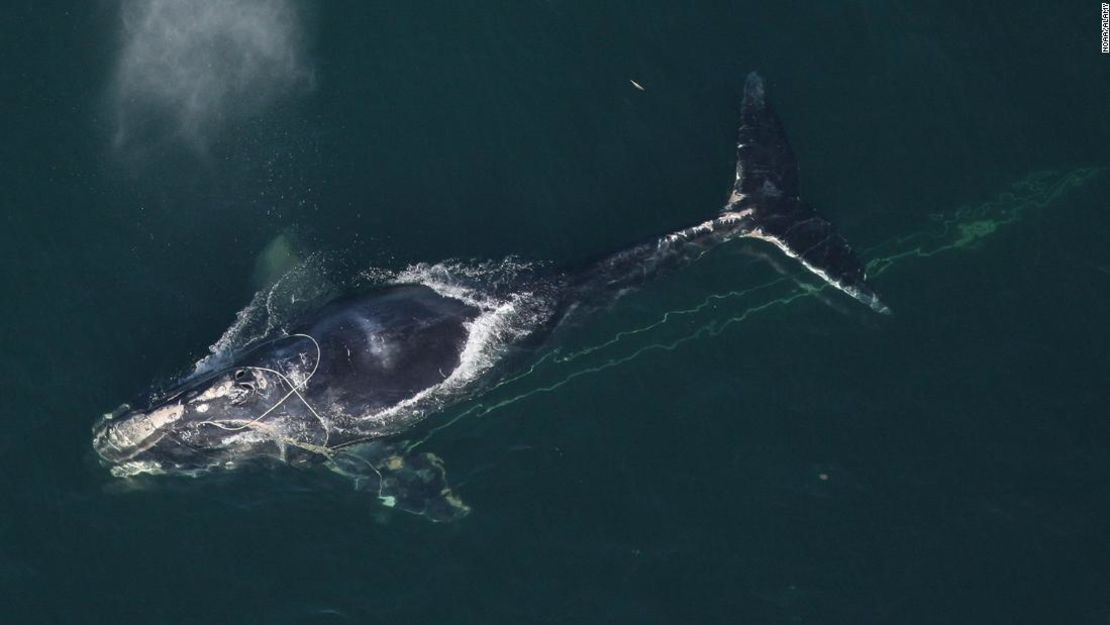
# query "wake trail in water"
(962, 230)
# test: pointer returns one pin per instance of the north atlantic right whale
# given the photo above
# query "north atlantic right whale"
(341, 384)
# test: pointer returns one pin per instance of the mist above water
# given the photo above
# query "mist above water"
(187, 70)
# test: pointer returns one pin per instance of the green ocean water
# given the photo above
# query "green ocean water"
(732, 444)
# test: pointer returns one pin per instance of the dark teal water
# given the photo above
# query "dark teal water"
(711, 451)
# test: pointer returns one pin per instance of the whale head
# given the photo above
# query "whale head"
(211, 421)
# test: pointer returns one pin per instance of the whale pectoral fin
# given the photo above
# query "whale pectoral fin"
(413, 482)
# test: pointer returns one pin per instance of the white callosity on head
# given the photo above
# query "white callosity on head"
(136, 430)
(215, 391)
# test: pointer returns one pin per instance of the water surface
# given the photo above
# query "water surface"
(727, 445)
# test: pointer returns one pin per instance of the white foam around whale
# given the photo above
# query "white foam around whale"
(298, 290)
(503, 320)
(508, 313)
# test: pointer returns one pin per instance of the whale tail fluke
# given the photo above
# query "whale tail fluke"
(766, 194)
(765, 162)
(763, 204)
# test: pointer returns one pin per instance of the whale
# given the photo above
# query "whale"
(341, 385)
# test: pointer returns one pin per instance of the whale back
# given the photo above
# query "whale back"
(385, 346)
